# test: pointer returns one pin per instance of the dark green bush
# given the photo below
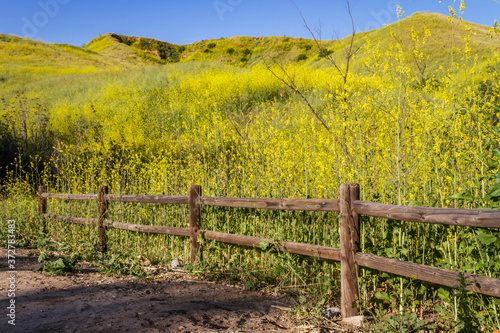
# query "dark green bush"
(301, 57)
(326, 51)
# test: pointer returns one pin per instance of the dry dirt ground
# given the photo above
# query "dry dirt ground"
(87, 301)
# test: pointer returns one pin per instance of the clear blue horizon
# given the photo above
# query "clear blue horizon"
(77, 22)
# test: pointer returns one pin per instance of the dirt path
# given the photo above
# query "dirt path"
(91, 302)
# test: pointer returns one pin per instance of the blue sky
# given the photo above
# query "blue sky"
(76, 22)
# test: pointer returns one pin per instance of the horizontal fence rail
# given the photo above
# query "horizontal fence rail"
(485, 218)
(163, 199)
(148, 228)
(69, 196)
(350, 208)
(331, 205)
(446, 277)
(75, 220)
(121, 225)
(323, 252)
(160, 199)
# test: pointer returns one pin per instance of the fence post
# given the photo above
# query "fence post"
(103, 207)
(42, 203)
(194, 219)
(355, 233)
(349, 245)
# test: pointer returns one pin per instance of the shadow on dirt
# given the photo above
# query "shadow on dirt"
(90, 302)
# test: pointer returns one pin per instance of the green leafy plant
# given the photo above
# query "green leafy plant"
(43, 242)
(468, 317)
(389, 322)
(250, 285)
(264, 246)
(57, 266)
(493, 194)
(117, 264)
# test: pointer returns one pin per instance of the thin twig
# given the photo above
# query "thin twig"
(291, 84)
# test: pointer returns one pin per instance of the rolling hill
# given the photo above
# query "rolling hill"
(442, 35)
(25, 62)
(134, 49)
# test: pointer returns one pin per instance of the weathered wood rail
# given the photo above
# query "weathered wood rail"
(350, 208)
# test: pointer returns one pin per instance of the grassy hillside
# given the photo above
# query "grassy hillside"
(23, 61)
(134, 49)
(432, 40)
(27, 65)
(30, 67)
(436, 35)
(244, 51)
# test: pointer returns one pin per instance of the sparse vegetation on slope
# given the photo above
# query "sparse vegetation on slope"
(150, 50)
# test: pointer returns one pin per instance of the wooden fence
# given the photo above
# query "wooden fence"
(350, 208)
